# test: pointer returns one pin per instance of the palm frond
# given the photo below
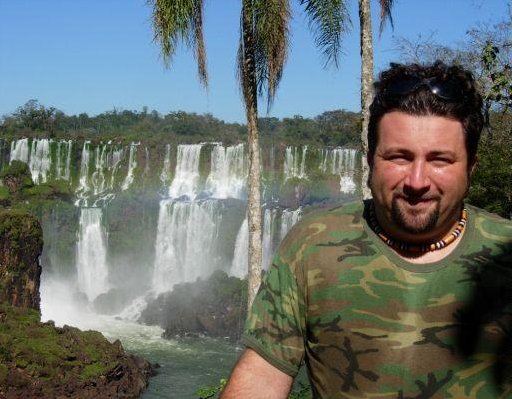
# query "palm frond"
(329, 20)
(180, 21)
(385, 13)
(272, 18)
(268, 27)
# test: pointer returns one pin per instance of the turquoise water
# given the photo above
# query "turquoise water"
(186, 364)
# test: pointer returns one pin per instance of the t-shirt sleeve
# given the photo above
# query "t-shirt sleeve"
(275, 324)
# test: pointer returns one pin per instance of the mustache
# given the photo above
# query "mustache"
(412, 197)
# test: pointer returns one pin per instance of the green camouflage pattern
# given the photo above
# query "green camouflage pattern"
(369, 324)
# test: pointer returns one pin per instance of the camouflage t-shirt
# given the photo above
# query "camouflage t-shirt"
(369, 324)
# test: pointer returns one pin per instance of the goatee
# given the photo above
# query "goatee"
(414, 223)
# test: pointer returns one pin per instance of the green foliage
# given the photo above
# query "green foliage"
(17, 170)
(211, 391)
(491, 184)
(333, 128)
(499, 75)
(45, 351)
(303, 391)
(4, 193)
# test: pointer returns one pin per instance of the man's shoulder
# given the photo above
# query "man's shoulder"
(491, 225)
(343, 217)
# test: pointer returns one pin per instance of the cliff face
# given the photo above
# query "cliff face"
(39, 360)
(21, 244)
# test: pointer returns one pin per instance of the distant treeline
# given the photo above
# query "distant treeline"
(331, 128)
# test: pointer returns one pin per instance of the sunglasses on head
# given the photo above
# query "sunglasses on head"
(447, 90)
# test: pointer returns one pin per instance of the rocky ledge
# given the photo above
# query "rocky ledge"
(214, 307)
(39, 360)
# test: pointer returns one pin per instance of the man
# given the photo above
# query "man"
(407, 295)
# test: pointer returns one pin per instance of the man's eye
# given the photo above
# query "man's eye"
(398, 158)
(441, 161)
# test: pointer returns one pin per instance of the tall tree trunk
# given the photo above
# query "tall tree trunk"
(365, 21)
(251, 110)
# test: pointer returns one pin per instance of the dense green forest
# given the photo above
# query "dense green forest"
(331, 128)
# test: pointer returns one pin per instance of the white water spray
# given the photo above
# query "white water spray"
(91, 264)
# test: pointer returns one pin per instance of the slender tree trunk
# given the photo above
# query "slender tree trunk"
(251, 110)
(365, 21)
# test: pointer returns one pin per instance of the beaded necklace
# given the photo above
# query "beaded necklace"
(405, 247)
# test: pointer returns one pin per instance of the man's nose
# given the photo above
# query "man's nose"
(418, 178)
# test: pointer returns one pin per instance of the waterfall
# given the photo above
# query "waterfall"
(165, 175)
(98, 176)
(39, 162)
(239, 266)
(91, 254)
(132, 164)
(83, 186)
(63, 168)
(36, 155)
(114, 161)
(19, 151)
(341, 161)
(228, 172)
(186, 242)
(288, 219)
(293, 166)
(269, 221)
(98, 187)
(186, 177)
(270, 228)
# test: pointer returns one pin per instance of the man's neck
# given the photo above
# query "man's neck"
(431, 256)
(425, 256)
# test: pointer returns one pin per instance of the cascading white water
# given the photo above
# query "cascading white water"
(288, 219)
(36, 154)
(19, 151)
(165, 175)
(83, 186)
(63, 166)
(132, 164)
(227, 173)
(114, 162)
(186, 242)
(98, 187)
(295, 165)
(39, 162)
(91, 254)
(240, 256)
(98, 176)
(270, 238)
(341, 161)
(186, 177)
(269, 221)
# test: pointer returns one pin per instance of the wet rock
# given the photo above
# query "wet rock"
(215, 307)
(21, 244)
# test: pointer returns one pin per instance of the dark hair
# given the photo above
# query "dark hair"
(421, 99)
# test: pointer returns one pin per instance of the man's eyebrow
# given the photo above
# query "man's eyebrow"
(442, 153)
(396, 149)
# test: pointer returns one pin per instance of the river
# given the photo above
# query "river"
(186, 364)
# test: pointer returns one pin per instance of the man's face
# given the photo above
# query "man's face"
(419, 175)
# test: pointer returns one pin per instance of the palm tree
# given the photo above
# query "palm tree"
(366, 37)
(332, 21)
(262, 53)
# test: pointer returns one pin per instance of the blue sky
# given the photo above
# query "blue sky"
(94, 55)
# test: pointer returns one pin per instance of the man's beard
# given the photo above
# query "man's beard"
(415, 224)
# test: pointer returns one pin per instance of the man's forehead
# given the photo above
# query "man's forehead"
(401, 130)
